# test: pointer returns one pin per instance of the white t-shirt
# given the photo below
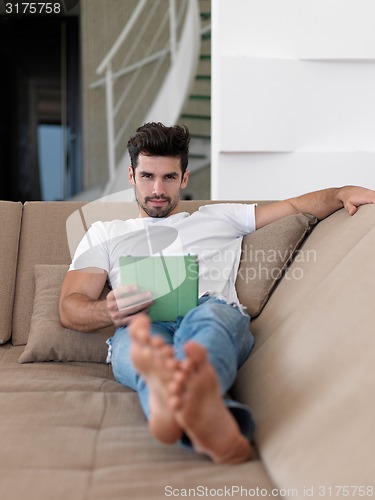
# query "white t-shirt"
(214, 233)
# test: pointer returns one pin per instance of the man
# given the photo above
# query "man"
(181, 370)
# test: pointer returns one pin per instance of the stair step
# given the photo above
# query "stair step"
(197, 156)
(201, 137)
(197, 110)
(197, 127)
(200, 97)
(196, 117)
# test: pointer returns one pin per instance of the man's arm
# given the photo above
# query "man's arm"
(319, 203)
(81, 309)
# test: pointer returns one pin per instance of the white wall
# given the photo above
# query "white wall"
(293, 96)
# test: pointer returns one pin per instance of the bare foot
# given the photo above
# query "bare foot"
(155, 361)
(196, 399)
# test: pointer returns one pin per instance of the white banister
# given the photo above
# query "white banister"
(123, 35)
(174, 90)
(132, 67)
(183, 50)
(172, 30)
(110, 121)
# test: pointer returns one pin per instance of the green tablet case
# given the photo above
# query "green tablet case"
(172, 280)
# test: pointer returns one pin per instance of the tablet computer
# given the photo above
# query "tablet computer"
(172, 280)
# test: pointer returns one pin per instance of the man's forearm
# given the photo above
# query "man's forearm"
(323, 203)
(79, 312)
(319, 203)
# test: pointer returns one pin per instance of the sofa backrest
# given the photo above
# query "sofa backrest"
(50, 233)
(44, 240)
(10, 224)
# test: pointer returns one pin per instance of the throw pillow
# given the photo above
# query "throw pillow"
(266, 254)
(48, 339)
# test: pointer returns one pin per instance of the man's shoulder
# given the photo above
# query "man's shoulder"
(115, 226)
(224, 207)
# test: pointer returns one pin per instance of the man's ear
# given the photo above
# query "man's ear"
(131, 175)
(185, 179)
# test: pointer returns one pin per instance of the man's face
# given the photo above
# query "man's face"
(157, 184)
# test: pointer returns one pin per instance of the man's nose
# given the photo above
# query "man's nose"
(158, 187)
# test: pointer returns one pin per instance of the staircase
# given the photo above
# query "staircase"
(134, 97)
(196, 113)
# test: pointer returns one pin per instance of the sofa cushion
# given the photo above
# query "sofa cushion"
(48, 339)
(266, 254)
(10, 223)
(69, 431)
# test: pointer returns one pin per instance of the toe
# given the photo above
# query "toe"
(139, 328)
(157, 341)
(196, 353)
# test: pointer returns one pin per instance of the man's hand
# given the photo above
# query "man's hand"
(124, 302)
(353, 197)
(81, 307)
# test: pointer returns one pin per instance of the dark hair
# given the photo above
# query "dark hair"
(155, 139)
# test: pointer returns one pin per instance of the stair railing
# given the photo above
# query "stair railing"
(171, 49)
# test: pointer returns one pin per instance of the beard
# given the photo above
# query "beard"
(157, 212)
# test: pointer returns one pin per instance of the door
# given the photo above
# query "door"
(40, 110)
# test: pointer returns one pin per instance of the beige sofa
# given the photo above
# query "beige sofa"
(70, 431)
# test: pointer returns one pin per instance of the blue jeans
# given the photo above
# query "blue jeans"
(222, 328)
